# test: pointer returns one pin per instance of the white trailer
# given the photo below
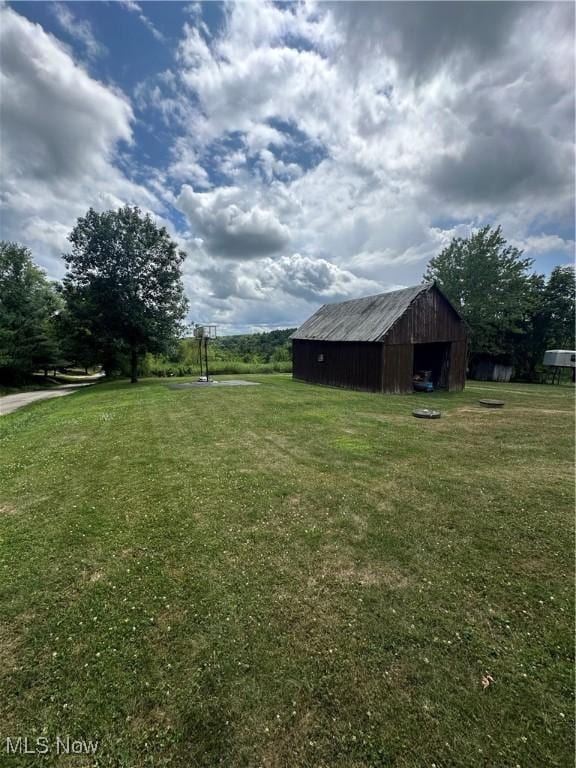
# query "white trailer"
(560, 358)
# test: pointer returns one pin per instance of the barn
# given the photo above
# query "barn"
(383, 343)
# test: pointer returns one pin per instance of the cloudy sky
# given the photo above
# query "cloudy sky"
(300, 153)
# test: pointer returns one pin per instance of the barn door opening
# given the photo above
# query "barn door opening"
(432, 363)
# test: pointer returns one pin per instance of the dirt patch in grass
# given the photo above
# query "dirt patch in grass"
(507, 409)
(92, 578)
(478, 411)
(293, 737)
(361, 526)
(77, 761)
(545, 411)
(133, 552)
(149, 722)
(7, 509)
(169, 618)
(350, 573)
(366, 576)
(343, 569)
(295, 504)
(297, 508)
(9, 646)
(471, 423)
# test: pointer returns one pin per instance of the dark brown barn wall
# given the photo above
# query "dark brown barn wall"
(430, 318)
(458, 361)
(350, 364)
(397, 366)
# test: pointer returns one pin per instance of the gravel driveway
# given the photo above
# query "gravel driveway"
(10, 403)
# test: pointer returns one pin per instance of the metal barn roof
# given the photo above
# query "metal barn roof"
(366, 319)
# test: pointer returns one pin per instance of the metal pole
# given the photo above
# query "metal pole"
(200, 353)
(206, 352)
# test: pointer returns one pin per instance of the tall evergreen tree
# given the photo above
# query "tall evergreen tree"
(28, 306)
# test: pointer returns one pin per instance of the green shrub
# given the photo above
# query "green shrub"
(235, 366)
(162, 368)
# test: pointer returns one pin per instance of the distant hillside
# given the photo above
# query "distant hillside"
(267, 347)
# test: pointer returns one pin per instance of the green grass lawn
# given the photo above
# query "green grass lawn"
(289, 575)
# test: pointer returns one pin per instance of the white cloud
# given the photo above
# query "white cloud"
(186, 165)
(261, 136)
(273, 168)
(229, 227)
(130, 5)
(133, 7)
(80, 30)
(265, 83)
(268, 293)
(539, 244)
(315, 279)
(61, 134)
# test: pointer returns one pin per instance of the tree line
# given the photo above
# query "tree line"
(267, 347)
(122, 301)
(514, 315)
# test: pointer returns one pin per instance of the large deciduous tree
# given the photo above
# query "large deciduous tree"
(123, 285)
(560, 295)
(28, 309)
(487, 281)
(549, 320)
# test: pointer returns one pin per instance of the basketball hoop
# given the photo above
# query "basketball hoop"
(204, 333)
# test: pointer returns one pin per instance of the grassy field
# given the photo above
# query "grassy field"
(288, 576)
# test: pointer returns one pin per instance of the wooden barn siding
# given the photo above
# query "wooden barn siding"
(430, 318)
(356, 365)
(367, 366)
(458, 363)
(397, 368)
